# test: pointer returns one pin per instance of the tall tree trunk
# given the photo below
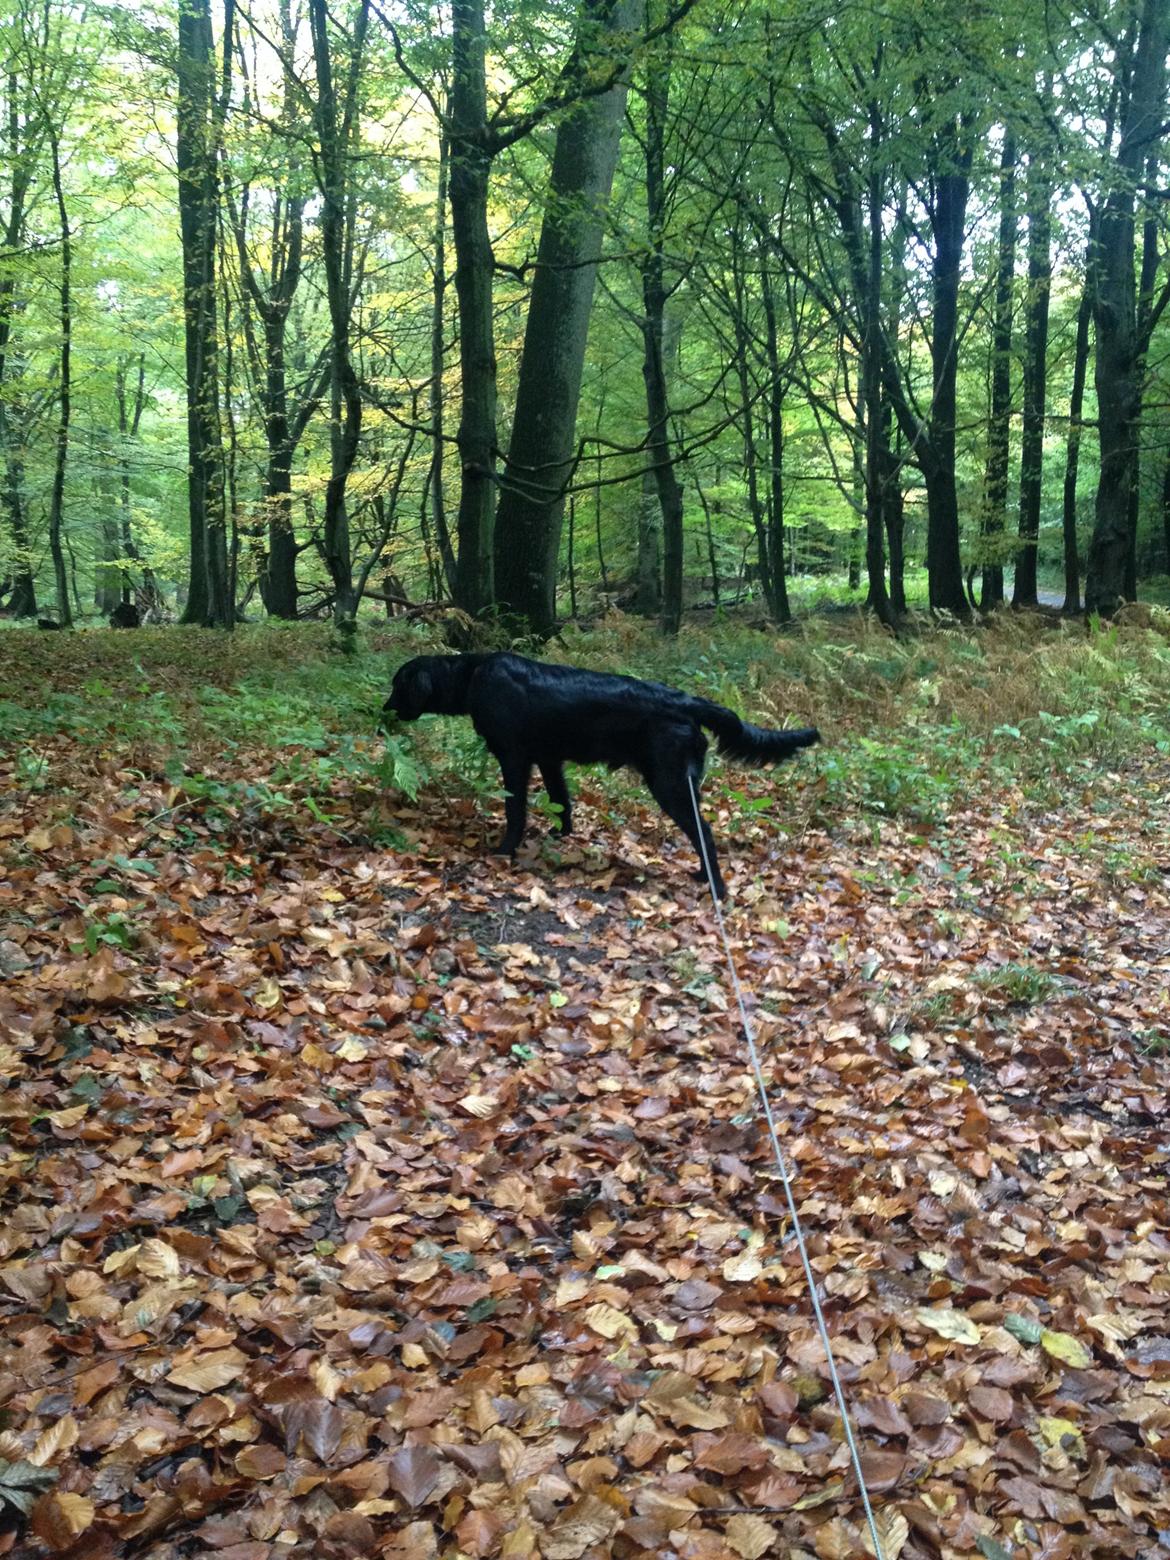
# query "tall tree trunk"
(198, 203)
(747, 401)
(893, 510)
(648, 568)
(269, 290)
(1039, 200)
(335, 128)
(65, 403)
(601, 569)
(438, 504)
(278, 565)
(868, 273)
(1119, 349)
(778, 608)
(670, 494)
(23, 602)
(109, 569)
(948, 212)
(540, 454)
(1145, 302)
(149, 594)
(471, 160)
(1072, 563)
(20, 169)
(995, 482)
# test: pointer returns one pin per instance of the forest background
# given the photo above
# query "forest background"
(536, 310)
(363, 1194)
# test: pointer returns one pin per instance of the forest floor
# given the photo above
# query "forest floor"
(364, 1195)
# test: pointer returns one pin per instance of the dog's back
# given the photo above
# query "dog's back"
(548, 713)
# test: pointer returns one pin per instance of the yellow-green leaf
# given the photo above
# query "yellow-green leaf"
(1065, 1347)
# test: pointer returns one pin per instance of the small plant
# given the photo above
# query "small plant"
(1022, 984)
(1122, 864)
(112, 931)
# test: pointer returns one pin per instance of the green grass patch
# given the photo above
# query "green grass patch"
(273, 719)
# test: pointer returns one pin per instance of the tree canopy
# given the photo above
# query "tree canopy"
(529, 310)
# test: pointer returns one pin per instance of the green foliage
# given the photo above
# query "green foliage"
(914, 730)
(1023, 984)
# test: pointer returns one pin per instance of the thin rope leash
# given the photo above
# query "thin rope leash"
(786, 1178)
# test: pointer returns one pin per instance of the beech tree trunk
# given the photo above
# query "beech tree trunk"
(995, 481)
(948, 211)
(1072, 562)
(778, 609)
(471, 159)
(869, 272)
(198, 210)
(1035, 377)
(540, 456)
(747, 417)
(335, 128)
(1114, 292)
(65, 391)
(436, 494)
(19, 167)
(654, 293)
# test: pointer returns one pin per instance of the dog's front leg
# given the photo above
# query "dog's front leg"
(515, 772)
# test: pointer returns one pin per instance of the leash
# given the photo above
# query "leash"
(786, 1178)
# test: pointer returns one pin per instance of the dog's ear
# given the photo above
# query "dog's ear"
(421, 686)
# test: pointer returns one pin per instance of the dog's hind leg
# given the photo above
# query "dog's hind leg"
(553, 776)
(676, 767)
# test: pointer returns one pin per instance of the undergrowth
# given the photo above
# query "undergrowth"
(273, 719)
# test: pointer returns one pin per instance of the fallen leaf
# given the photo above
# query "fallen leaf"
(60, 1517)
(207, 1372)
(413, 1472)
(1063, 1346)
(743, 1267)
(587, 1522)
(55, 1439)
(750, 1536)
(949, 1323)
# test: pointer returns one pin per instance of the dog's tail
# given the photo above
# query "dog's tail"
(752, 744)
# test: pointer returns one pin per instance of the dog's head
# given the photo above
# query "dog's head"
(412, 692)
(430, 685)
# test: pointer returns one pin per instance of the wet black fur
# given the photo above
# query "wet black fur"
(535, 712)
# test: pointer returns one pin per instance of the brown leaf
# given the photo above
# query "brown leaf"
(696, 1294)
(991, 1403)
(261, 1461)
(924, 1408)
(55, 1439)
(210, 1371)
(836, 1540)
(893, 1530)
(59, 1517)
(478, 1532)
(884, 1415)
(318, 1423)
(882, 1469)
(779, 1398)
(413, 1472)
(750, 1536)
(730, 1453)
(694, 1414)
(587, 1522)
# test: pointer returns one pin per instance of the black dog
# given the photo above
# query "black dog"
(534, 712)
